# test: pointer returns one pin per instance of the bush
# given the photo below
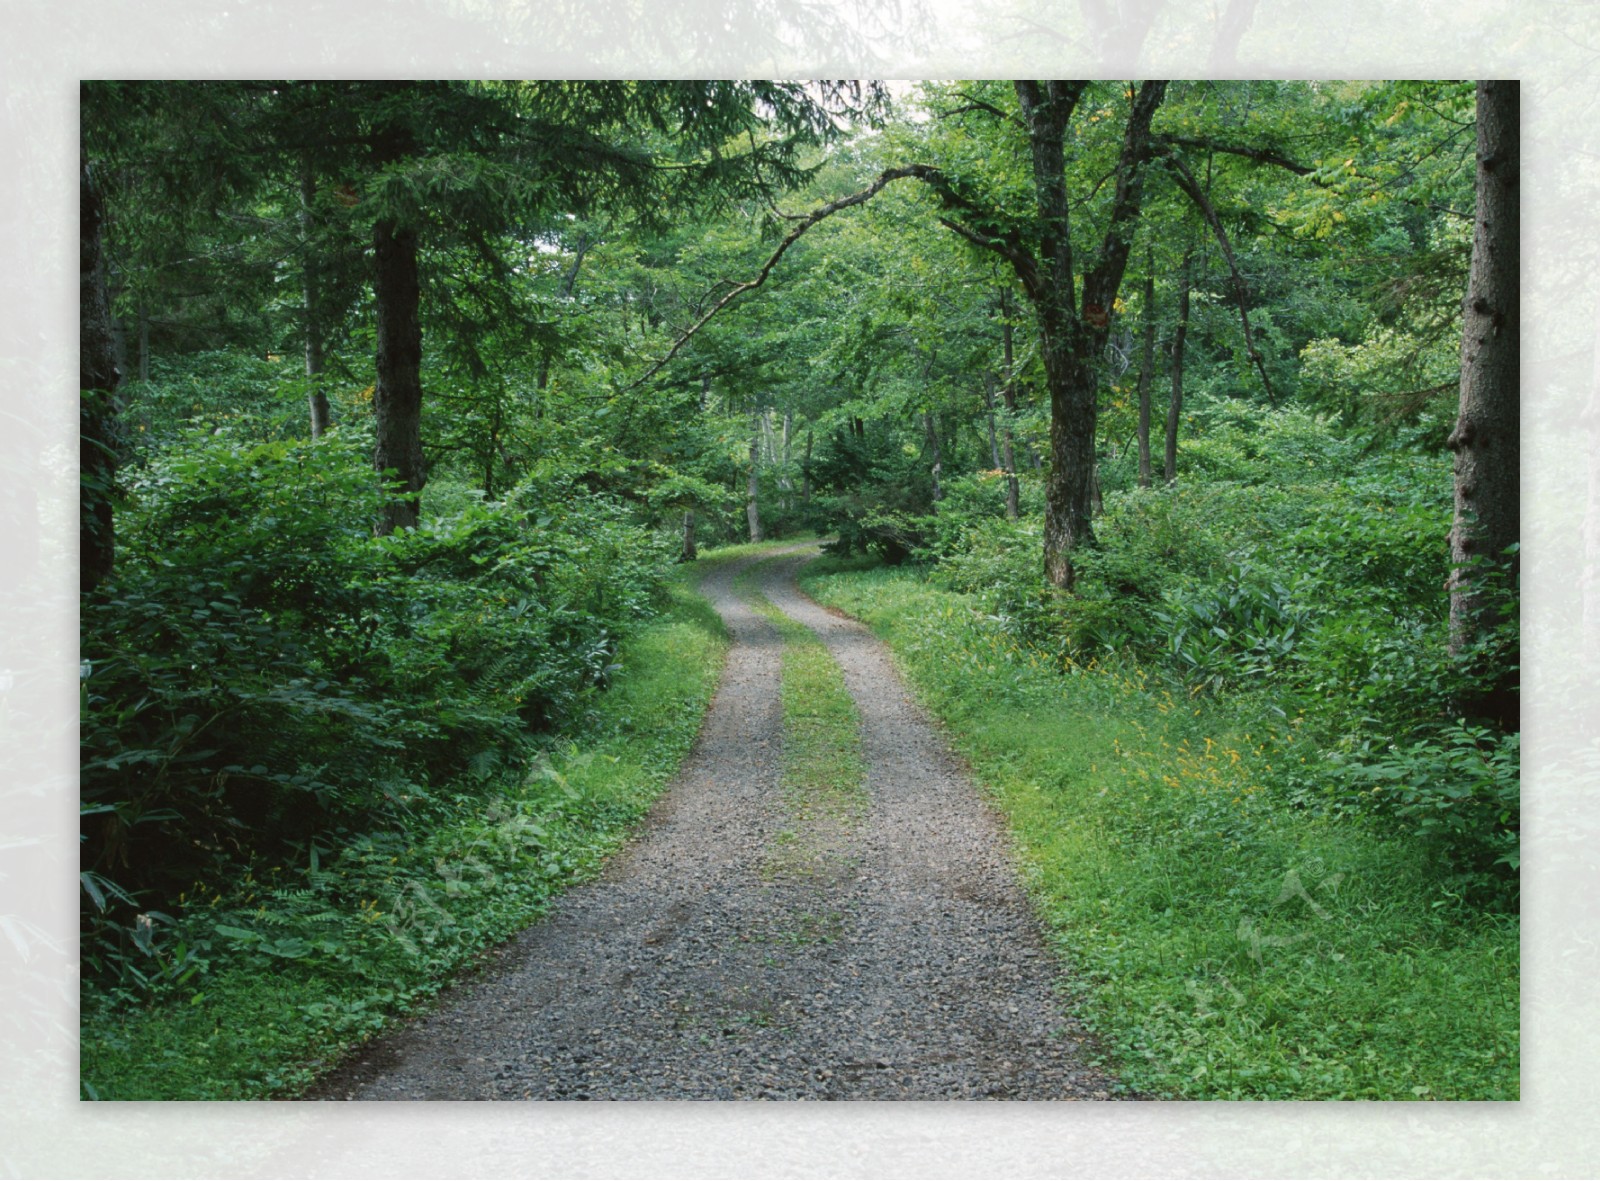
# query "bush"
(1240, 628)
(1458, 788)
(260, 668)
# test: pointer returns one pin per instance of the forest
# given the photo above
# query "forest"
(1167, 432)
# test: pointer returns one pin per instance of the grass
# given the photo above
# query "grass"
(824, 775)
(1224, 944)
(299, 964)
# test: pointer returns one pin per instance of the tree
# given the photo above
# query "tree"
(1147, 355)
(98, 377)
(1486, 439)
(543, 148)
(1180, 336)
(1072, 336)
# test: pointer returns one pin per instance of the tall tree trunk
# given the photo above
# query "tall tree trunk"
(1008, 391)
(316, 395)
(98, 378)
(752, 507)
(988, 412)
(1146, 367)
(933, 450)
(1070, 481)
(689, 552)
(397, 398)
(1487, 437)
(1071, 345)
(805, 472)
(785, 481)
(1175, 406)
(769, 450)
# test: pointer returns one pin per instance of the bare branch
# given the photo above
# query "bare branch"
(974, 103)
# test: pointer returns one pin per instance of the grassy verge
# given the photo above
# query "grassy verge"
(1226, 944)
(298, 964)
(824, 775)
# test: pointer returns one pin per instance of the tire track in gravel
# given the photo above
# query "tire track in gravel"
(698, 967)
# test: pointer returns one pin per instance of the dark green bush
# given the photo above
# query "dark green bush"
(261, 668)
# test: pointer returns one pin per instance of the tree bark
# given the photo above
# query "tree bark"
(1169, 471)
(98, 378)
(785, 482)
(316, 395)
(805, 472)
(1070, 344)
(690, 552)
(933, 450)
(1146, 368)
(1487, 436)
(397, 398)
(988, 412)
(752, 507)
(1008, 392)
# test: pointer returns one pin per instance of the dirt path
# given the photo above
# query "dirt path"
(900, 962)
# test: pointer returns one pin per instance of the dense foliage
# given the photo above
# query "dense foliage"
(281, 676)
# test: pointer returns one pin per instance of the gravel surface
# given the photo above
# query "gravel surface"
(893, 957)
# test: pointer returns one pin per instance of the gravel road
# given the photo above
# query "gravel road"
(897, 958)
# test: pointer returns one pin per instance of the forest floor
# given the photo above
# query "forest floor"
(754, 943)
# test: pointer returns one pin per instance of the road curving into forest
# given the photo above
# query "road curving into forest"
(900, 961)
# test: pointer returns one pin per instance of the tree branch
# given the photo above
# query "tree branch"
(1102, 280)
(1008, 245)
(1259, 155)
(1191, 187)
(977, 104)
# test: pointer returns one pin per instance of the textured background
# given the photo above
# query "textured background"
(49, 44)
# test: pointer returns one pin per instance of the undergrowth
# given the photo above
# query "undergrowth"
(271, 977)
(1226, 942)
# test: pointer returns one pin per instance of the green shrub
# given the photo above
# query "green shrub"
(1458, 788)
(261, 669)
(1243, 627)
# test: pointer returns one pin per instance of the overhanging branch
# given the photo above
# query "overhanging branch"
(1008, 245)
(1259, 155)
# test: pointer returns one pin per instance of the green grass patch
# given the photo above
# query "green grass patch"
(824, 775)
(295, 965)
(1225, 944)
